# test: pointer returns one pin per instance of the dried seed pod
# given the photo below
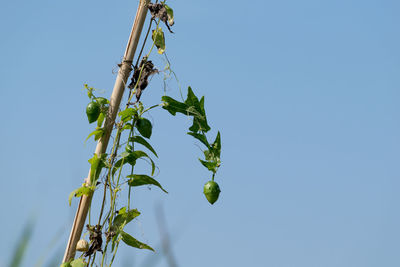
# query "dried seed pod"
(82, 245)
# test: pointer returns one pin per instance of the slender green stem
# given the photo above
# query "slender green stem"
(154, 106)
(144, 42)
(115, 252)
(104, 253)
(113, 156)
(131, 135)
(90, 211)
(113, 197)
(94, 257)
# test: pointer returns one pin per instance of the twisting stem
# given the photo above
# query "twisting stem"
(111, 161)
(144, 43)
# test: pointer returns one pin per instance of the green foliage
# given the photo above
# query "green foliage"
(142, 141)
(131, 130)
(212, 155)
(201, 137)
(194, 107)
(190, 107)
(130, 157)
(78, 263)
(83, 190)
(102, 101)
(124, 217)
(131, 241)
(96, 164)
(141, 179)
(127, 114)
(98, 133)
(144, 127)
(100, 120)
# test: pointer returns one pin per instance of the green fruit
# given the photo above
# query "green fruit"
(144, 127)
(211, 191)
(93, 111)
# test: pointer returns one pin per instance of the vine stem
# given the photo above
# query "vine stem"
(119, 87)
(108, 179)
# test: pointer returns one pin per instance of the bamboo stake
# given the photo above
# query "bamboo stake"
(115, 101)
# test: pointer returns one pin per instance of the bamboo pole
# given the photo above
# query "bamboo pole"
(115, 101)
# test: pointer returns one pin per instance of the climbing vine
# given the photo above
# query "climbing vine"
(115, 171)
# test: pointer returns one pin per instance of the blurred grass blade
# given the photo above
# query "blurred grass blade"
(20, 249)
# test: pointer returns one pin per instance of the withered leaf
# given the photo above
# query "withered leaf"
(141, 79)
(159, 10)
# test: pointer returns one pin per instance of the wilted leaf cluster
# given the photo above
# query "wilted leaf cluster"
(141, 76)
(163, 12)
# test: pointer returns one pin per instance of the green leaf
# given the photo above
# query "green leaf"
(100, 119)
(141, 154)
(173, 106)
(196, 108)
(191, 107)
(203, 112)
(192, 100)
(129, 149)
(127, 114)
(144, 127)
(207, 154)
(78, 263)
(141, 179)
(98, 133)
(131, 241)
(142, 141)
(96, 164)
(217, 145)
(117, 165)
(114, 242)
(102, 101)
(170, 14)
(159, 40)
(201, 137)
(127, 126)
(125, 154)
(210, 165)
(65, 264)
(83, 190)
(124, 217)
(131, 157)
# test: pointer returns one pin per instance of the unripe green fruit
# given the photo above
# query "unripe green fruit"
(92, 111)
(211, 191)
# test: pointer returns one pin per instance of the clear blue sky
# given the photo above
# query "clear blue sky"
(305, 93)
